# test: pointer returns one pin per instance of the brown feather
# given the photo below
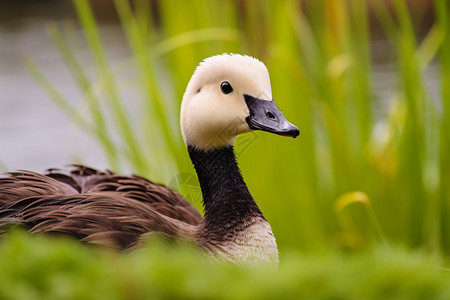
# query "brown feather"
(97, 207)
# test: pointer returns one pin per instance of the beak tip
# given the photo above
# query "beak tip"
(291, 130)
(294, 132)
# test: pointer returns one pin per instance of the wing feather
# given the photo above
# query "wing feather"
(97, 207)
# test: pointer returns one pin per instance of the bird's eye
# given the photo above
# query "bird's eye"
(226, 87)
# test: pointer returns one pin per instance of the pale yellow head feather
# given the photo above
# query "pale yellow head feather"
(212, 119)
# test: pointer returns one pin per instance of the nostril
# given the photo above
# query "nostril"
(270, 115)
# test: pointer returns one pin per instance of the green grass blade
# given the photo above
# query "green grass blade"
(93, 103)
(55, 95)
(124, 126)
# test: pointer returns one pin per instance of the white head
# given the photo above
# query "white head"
(216, 108)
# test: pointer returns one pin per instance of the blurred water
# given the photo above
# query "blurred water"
(32, 131)
(36, 135)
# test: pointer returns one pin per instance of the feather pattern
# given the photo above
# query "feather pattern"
(97, 207)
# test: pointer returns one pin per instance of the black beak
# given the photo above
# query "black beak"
(264, 115)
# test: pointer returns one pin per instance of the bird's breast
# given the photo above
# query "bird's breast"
(253, 245)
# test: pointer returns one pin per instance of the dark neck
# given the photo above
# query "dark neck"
(226, 197)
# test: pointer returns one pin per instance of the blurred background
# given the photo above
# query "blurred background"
(100, 83)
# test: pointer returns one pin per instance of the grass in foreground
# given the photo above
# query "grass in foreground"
(36, 267)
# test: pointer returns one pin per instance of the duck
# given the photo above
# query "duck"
(227, 95)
